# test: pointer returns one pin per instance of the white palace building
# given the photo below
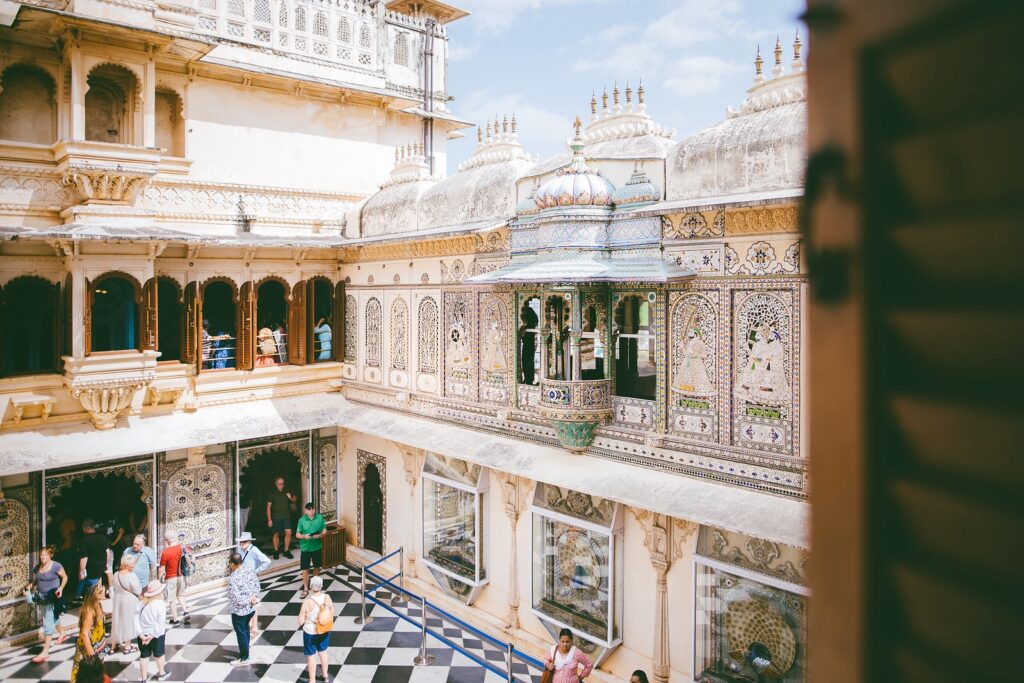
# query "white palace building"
(569, 389)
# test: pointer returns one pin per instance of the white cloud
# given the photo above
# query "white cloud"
(700, 75)
(495, 16)
(462, 53)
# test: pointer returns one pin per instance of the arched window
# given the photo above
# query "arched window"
(110, 105)
(261, 11)
(169, 328)
(300, 18)
(426, 327)
(636, 369)
(373, 332)
(282, 14)
(219, 340)
(271, 323)
(29, 325)
(114, 313)
(365, 40)
(170, 123)
(28, 110)
(399, 334)
(402, 49)
(320, 301)
(320, 24)
(592, 345)
(344, 31)
(529, 349)
(557, 319)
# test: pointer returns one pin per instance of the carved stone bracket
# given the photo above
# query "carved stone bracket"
(105, 173)
(99, 184)
(103, 400)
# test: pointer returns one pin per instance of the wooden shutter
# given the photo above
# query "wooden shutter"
(297, 348)
(191, 335)
(916, 374)
(57, 313)
(67, 324)
(244, 328)
(150, 322)
(338, 331)
(87, 317)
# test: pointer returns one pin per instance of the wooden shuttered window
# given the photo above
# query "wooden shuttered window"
(937, 154)
(149, 330)
(87, 317)
(191, 331)
(298, 344)
(338, 340)
(67, 325)
(245, 329)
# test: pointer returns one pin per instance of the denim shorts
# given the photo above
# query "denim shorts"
(315, 642)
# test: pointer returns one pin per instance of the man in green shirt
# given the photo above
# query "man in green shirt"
(309, 530)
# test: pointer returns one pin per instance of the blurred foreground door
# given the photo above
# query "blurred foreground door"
(915, 242)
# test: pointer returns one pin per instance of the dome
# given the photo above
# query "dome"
(638, 190)
(576, 184)
(528, 205)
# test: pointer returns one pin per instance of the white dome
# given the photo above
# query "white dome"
(576, 185)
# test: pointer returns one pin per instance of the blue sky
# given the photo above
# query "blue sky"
(542, 59)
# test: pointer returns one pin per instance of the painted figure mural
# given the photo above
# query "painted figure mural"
(763, 378)
(458, 343)
(493, 357)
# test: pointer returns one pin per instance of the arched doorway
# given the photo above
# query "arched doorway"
(256, 481)
(114, 313)
(372, 511)
(114, 500)
(168, 295)
(219, 310)
(29, 326)
(272, 328)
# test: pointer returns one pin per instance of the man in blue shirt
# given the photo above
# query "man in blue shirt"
(145, 560)
(254, 560)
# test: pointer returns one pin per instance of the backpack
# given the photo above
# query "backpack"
(187, 562)
(325, 617)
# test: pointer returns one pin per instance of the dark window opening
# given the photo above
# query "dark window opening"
(168, 306)
(29, 310)
(557, 312)
(322, 307)
(115, 314)
(219, 342)
(272, 330)
(635, 368)
(529, 349)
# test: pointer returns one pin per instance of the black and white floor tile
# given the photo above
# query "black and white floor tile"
(381, 651)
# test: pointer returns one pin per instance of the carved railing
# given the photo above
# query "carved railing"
(340, 31)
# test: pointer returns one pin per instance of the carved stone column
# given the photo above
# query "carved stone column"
(412, 462)
(515, 494)
(664, 537)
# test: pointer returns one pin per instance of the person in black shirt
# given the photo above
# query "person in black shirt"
(96, 557)
(279, 516)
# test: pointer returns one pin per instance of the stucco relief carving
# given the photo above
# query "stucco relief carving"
(327, 476)
(760, 555)
(197, 500)
(761, 220)
(426, 329)
(18, 516)
(104, 399)
(399, 328)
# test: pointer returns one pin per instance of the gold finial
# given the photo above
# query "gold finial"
(593, 104)
(778, 51)
(604, 99)
(629, 94)
(488, 130)
(577, 124)
(758, 62)
(513, 123)
(796, 47)
(504, 124)
(479, 134)
(496, 125)
(615, 93)
(640, 92)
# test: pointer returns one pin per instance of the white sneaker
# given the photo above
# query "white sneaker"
(241, 662)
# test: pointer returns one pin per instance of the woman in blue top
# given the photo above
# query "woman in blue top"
(323, 337)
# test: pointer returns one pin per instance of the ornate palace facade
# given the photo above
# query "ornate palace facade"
(570, 389)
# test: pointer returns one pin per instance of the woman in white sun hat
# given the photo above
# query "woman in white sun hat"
(151, 625)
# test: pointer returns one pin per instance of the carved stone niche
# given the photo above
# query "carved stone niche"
(104, 172)
(107, 384)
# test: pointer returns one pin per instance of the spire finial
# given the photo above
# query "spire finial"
(758, 64)
(479, 135)
(488, 130)
(640, 92)
(604, 99)
(396, 152)
(593, 104)
(504, 123)
(615, 94)
(629, 94)
(797, 45)
(577, 124)
(778, 51)
(513, 123)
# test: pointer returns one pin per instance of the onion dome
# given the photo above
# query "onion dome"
(638, 190)
(528, 206)
(576, 184)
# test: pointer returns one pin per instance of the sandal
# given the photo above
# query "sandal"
(61, 638)
(303, 595)
(39, 659)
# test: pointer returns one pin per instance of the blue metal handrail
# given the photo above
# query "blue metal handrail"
(500, 644)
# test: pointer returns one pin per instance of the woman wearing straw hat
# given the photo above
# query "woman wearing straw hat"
(151, 625)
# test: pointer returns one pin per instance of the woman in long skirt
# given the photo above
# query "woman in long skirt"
(126, 588)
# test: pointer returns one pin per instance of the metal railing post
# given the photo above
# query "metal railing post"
(362, 618)
(508, 661)
(399, 597)
(423, 658)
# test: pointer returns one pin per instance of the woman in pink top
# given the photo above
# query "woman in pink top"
(568, 664)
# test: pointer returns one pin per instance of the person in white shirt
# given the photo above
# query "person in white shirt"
(151, 625)
(254, 559)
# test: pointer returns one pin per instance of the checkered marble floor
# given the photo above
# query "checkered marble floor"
(381, 651)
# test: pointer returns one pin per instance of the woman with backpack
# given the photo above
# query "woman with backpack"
(48, 582)
(316, 617)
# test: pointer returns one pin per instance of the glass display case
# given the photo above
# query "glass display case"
(453, 525)
(750, 621)
(577, 567)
